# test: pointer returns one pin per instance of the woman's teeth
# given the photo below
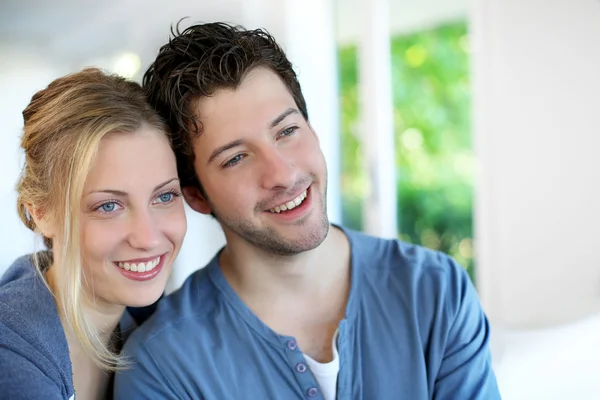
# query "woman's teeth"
(290, 204)
(139, 267)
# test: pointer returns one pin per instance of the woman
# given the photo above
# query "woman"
(100, 186)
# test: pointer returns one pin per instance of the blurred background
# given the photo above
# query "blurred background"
(471, 127)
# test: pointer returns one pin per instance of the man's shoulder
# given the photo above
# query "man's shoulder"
(410, 280)
(395, 268)
(398, 256)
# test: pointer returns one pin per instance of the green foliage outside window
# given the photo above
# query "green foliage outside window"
(434, 161)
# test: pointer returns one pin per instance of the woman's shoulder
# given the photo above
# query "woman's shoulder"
(24, 297)
(31, 334)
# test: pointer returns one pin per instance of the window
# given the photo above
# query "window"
(434, 160)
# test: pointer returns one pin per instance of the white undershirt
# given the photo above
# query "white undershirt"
(326, 373)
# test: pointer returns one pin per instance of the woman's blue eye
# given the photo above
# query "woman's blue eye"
(165, 197)
(108, 207)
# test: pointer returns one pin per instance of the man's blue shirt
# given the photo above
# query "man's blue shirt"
(413, 329)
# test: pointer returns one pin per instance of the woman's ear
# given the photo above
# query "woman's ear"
(196, 200)
(42, 221)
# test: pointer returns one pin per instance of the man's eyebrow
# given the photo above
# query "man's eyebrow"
(124, 194)
(282, 116)
(240, 142)
(223, 148)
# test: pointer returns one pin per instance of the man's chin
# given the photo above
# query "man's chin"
(280, 238)
(291, 244)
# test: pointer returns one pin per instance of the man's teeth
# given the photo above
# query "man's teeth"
(139, 267)
(290, 204)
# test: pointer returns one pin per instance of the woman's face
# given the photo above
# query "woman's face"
(133, 220)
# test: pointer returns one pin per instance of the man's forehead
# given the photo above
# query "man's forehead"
(227, 116)
(260, 85)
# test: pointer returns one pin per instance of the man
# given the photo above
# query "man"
(291, 307)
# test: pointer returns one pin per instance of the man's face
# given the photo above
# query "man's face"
(261, 167)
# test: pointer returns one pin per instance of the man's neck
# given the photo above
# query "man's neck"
(252, 271)
(304, 295)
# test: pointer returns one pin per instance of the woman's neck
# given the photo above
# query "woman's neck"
(103, 315)
(90, 381)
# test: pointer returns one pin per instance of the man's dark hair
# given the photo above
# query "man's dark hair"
(199, 61)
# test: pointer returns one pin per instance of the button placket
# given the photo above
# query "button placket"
(292, 345)
(297, 363)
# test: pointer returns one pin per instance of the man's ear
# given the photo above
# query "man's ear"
(42, 221)
(196, 200)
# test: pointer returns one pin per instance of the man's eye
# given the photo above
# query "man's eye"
(233, 161)
(288, 131)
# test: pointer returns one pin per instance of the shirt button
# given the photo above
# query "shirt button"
(312, 392)
(301, 367)
(291, 344)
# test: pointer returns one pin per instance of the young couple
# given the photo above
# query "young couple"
(292, 307)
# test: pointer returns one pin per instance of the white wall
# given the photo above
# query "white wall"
(559, 363)
(22, 73)
(536, 76)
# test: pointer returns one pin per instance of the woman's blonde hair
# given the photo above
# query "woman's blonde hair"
(63, 127)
